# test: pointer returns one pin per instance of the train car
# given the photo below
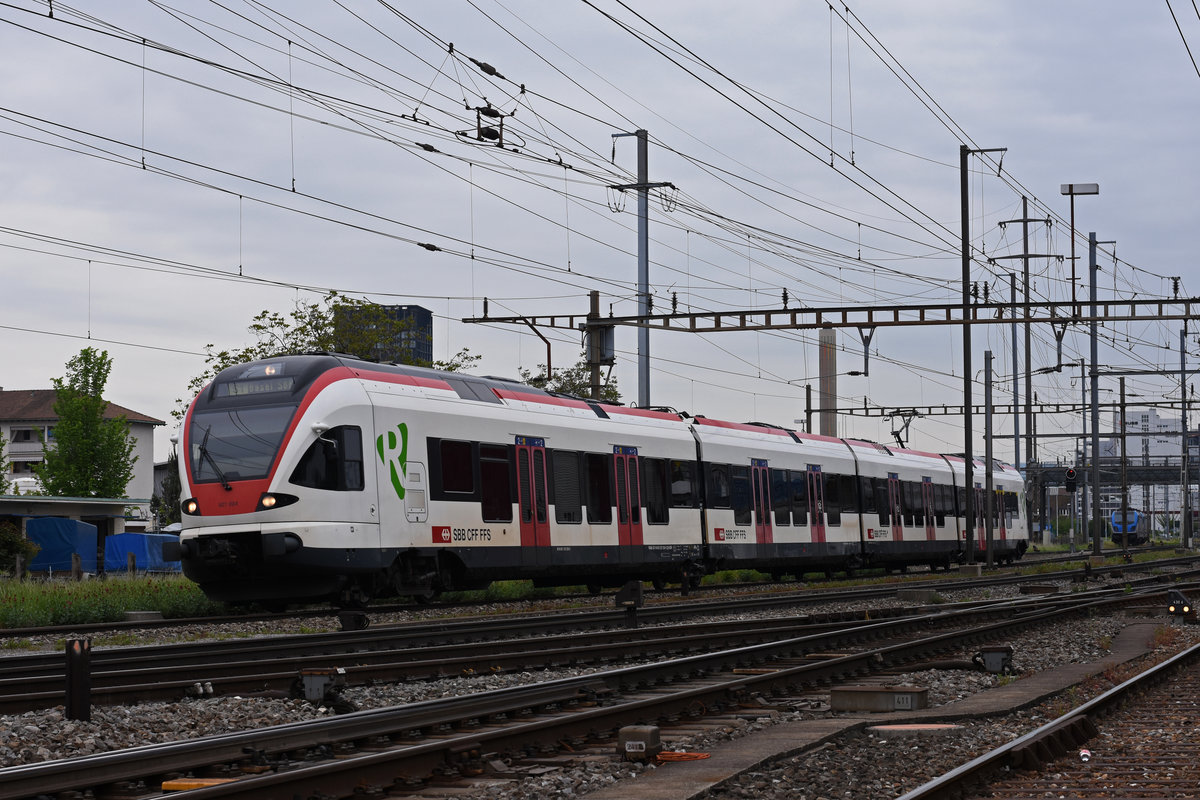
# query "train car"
(324, 477)
(1128, 530)
(1010, 530)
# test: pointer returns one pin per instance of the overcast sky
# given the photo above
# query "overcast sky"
(159, 184)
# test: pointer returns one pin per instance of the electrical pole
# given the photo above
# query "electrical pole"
(964, 189)
(643, 187)
(989, 498)
(1095, 375)
(1124, 477)
(1185, 510)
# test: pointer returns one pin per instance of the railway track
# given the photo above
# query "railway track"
(389, 750)
(425, 651)
(1135, 741)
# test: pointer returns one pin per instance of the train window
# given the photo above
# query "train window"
(458, 474)
(568, 496)
(718, 486)
(539, 484)
(781, 497)
(683, 484)
(911, 493)
(523, 487)
(654, 475)
(942, 504)
(799, 481)
(1012, 509)
(838, 493)
(495, 483)
(599, 488)
(741, 497)
(883, 501)
(352, 458)
(635, 492)
(622, 484)
(334, 462)
(866, 496)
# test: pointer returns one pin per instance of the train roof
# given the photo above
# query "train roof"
(512, 392)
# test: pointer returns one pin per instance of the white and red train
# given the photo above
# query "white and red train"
(323, 477)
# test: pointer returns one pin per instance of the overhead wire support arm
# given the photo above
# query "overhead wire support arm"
(859, 316)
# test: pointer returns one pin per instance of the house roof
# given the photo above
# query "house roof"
(29, 405)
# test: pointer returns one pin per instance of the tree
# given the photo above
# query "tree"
(573, 380)
(3, 465)
(92, 456)
(335, 324)
(12, 544)
(165, 506)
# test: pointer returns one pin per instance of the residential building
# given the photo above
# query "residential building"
(27, 418)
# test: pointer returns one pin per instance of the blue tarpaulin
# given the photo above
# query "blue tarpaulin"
(146, 549)
(58, 539)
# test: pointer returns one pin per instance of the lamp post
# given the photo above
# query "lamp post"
(1072, 189)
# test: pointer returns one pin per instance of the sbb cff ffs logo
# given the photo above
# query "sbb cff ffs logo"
(1069, 479)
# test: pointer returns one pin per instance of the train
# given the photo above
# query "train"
(326, 478)
(1128, 529)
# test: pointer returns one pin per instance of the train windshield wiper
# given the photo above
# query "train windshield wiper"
(207, 456)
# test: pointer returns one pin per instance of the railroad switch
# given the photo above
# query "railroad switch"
(996, 660)
(639, 742)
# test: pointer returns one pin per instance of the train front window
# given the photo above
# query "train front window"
(236, 444)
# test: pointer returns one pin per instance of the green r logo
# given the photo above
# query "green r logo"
(401, 458)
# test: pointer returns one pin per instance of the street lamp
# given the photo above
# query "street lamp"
(1073, 189)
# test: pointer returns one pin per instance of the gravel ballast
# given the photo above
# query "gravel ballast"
(861, 765)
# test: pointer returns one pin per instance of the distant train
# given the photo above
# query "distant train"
(1130, 525)
(324, 477)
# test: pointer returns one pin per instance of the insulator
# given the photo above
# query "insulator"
(489, 133)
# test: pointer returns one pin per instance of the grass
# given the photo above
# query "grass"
(63, 602)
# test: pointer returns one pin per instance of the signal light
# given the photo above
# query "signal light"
(1177, 603)
(1069, 479)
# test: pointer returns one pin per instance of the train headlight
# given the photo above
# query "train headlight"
(190, 507)
(270, 500)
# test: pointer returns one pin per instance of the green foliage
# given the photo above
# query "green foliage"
(573, 380)
(3, 465)
(36, 603)
(501, 591)
(12, 544)
(335, 324)
(92, 456)
(165, 507)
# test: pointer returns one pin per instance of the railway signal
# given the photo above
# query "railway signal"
(1069, 479)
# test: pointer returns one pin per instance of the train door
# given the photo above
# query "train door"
(980, 519)
(532, 500)
(927, 502)
(761, 482)
(896, 506)
(629, 499)
(816, 503)
(1001, 516)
